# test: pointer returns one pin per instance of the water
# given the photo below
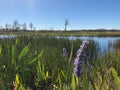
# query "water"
(7, 36)
(105, 43)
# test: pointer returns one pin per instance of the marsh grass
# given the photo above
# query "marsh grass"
(38, 63)
(103, 33)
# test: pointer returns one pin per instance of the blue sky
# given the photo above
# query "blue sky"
(46, 14)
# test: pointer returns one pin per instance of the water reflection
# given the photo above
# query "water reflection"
(7, 36)
(105, 44)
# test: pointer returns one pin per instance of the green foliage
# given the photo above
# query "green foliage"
(23, 53)
(37, 62)
(84, 81)
(116, 79)
(31, 61)
(40, 71)
(73, 82)
(0, 49)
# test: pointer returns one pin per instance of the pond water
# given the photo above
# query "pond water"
(104, 43)
(7, 36)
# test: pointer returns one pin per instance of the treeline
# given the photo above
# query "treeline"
(16, 26)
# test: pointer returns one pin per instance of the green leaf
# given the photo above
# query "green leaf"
(16, 42)
(47, 74)
(33, 60)
(85, 82)
(40, 54)
(0, 49)
(40, 70)
(13, 54)
(17, 79)
(116, 78)
(73, 82)
(63, 74)
(23, 52)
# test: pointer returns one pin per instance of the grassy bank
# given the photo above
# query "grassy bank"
(65, 33)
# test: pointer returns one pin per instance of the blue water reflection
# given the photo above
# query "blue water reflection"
(7, 36)
(105, 43)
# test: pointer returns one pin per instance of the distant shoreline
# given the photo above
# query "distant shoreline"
(114, 33)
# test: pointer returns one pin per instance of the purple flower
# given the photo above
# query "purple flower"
(65, 52)
(80, 58)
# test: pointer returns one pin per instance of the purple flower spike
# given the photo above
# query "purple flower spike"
(65, 52)
(80, 58)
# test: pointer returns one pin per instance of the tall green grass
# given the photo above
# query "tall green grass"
(38, 63)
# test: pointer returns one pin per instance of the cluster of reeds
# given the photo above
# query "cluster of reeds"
(34, 62)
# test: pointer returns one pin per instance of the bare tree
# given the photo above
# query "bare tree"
(6, 26)
(15, 25)
(24, 26)
(31, 26)
(19, 26)
(9, 27)
(66, 24)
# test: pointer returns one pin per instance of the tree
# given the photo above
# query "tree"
(24, 26)
(31, 26)
(9, 27)
(0, 27)
(15, 25)
(6, 26)
(19, 27)
(66, 24)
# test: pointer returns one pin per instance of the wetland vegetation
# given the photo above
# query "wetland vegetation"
(37, 62)
(99, 32)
